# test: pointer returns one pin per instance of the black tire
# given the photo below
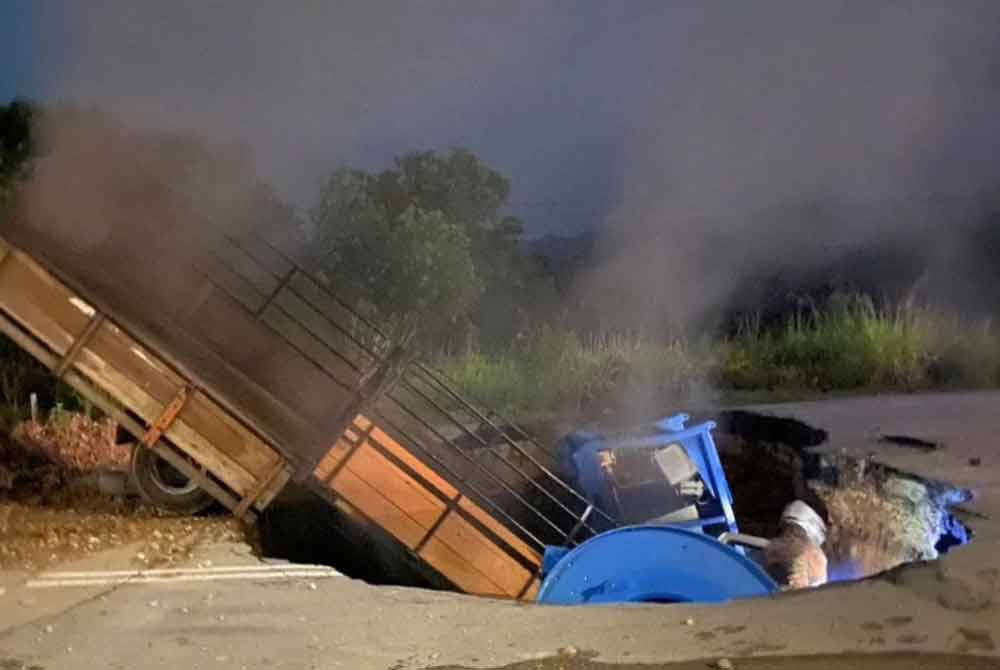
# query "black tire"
(162, 485)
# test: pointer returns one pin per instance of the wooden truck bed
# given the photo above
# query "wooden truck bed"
(91, 352)
(207, 399)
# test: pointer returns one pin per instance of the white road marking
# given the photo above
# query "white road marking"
(267, 567)
(177, 575)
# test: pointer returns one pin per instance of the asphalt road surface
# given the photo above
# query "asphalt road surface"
(225, 609)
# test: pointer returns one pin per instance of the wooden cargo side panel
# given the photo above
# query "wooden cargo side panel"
(463, 538)
(420, 518)
(48, 309)
(406, 493)
(458, 534)
(202, 429)
(273, 489)
(365, 492)
(329, 461)
(213, 426)
(468, 505)
(531, 593)
(115, 359)
(132, 375)
(115, 362)
(404, 455)
(456, 566)
(483, 517)
(403, 507)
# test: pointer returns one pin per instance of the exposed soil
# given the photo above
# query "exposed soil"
(37, 537)
(74, 442)
(52, 509)
(877, 517)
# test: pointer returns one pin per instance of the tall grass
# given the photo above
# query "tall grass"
(849, 345)
(559, 370)
(853, 344)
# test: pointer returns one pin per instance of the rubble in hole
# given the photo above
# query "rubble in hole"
(877, 517)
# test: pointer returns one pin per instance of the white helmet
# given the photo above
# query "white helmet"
(805, 517)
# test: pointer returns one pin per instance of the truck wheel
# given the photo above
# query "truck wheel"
(164, 486)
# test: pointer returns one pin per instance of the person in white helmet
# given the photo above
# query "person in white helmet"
(795, 558)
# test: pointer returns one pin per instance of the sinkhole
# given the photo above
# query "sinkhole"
(877, 517)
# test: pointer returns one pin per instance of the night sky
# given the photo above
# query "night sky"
(652, 110)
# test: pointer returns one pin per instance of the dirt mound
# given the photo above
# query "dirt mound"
(52, 509)
(75, 442)
(880, 517)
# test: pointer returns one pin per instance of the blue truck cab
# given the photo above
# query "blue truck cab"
(667, 502)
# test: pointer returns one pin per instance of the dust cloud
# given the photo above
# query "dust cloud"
(309, 86)
(711, 143)
(784, 138)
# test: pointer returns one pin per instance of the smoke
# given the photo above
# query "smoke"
(781, 137)
(307, 86)
(711, 143)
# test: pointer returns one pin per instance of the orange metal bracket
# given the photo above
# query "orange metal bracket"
(168, 416)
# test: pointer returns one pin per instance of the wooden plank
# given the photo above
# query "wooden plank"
(208, 454)
(516, 543)
(364, 494)
(456, 548)
(274, 489)
(459, 570)
(112, 359)
(403, 454)
(203, 429)
(110, 347)
(145, 387)
(215, 426)
(132, 374)
(450, 491)
(79, 343)
(467, 541)
(49, 311)
(86, 388)
(403, 491)
(531, 593)
(131, 394)
(260, 486)
(326, 466)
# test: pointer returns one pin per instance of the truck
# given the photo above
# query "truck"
(237, 369)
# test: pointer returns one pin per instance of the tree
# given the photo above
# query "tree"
(422, 243)
(16, 145)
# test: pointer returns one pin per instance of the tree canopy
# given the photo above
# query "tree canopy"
(422, 243)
